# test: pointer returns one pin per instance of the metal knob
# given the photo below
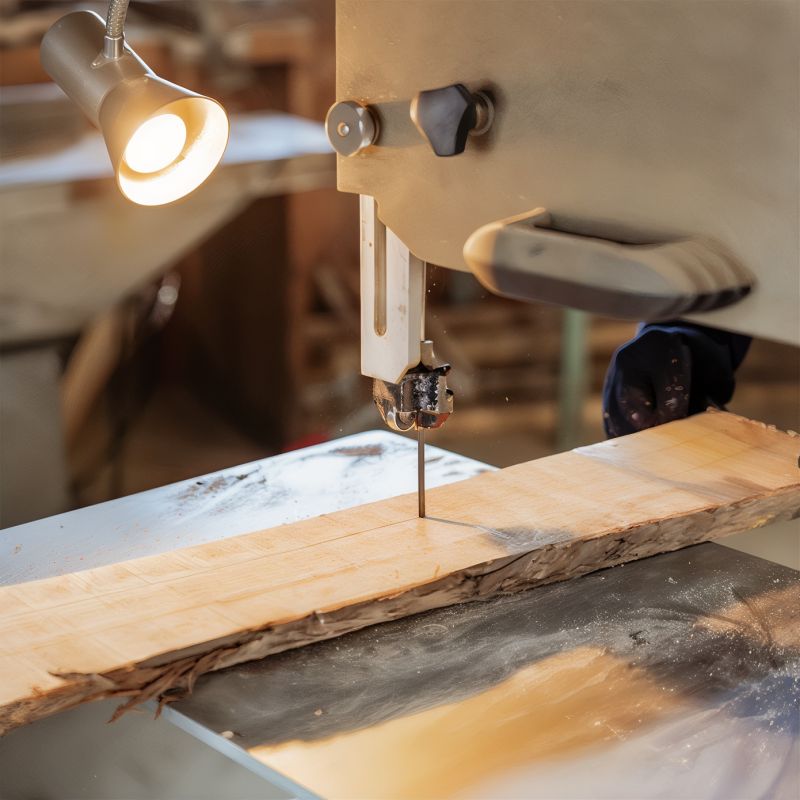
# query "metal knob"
(447, 116)
(350, 127)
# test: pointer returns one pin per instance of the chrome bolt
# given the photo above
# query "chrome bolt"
(350, 127)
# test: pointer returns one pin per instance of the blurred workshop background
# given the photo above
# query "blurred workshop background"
(143, 346)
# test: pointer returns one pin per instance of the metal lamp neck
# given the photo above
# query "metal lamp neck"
(114, 40)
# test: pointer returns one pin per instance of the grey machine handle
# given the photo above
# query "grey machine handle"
(525, 258)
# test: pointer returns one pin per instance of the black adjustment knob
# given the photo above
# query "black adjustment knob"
(446, 116)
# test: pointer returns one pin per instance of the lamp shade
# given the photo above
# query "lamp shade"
(163, 140)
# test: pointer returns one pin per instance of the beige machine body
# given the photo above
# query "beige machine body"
(630, 121)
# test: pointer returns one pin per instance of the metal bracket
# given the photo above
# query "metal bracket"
(421, 399)
(392, 300)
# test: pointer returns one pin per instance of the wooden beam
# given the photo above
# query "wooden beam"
(148, 628)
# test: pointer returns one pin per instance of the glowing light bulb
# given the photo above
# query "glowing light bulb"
(156, 143)
(176, 163)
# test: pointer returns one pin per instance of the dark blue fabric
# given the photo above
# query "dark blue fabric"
(668, 371)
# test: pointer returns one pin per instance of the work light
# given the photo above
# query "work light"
(163, 140)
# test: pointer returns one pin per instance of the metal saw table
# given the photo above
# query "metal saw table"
(663, 678)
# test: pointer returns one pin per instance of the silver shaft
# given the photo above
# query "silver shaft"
(421, 471)
(420, 429)
(114, 40)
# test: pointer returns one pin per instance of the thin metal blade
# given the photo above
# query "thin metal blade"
(421, 471)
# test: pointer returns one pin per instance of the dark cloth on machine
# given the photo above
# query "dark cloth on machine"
(668, 371)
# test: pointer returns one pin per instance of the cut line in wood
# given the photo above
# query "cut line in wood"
(147, 628)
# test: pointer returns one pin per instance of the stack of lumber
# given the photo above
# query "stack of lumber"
(147, 628)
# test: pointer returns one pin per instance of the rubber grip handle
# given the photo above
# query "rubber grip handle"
(525, 258)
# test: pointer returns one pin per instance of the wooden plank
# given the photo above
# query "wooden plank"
(150, 626)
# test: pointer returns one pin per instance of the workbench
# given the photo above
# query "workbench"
(71, 247)
(53, 286)
(662, 678)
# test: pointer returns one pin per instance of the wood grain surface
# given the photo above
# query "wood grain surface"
(147, 628)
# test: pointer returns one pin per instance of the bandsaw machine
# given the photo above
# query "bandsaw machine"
(631, 159)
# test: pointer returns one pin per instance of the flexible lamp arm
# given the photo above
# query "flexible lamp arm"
(114, 41)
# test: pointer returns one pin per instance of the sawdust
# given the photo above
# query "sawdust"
(359, 451)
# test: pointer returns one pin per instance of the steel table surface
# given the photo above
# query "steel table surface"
(662, 678)
(285, 488)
